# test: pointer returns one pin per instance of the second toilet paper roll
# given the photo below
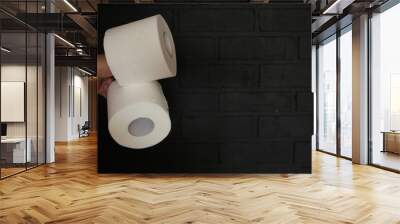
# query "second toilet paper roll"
(140, 51)
(138, 114)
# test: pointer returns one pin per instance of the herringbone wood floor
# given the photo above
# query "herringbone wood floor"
(70, 191)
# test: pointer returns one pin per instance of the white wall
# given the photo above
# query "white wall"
(70, 83)
(79, 117)
(62, 81)
(12, 73)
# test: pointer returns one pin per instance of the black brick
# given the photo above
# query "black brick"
(286, 126)
(256, 102)
(196, 48)
(292, 48)
(189, 102)
(286, 75)
(256, 153)
(304, 102)
(302, 153)
(214, 127)
(278, 20)
(237, 75)
(203, 75)
(198, 75)
(185, 154)
(304, 47)
(246, 48)
(227, 20)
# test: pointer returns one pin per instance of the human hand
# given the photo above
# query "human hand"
(104, 75)
(103, 86)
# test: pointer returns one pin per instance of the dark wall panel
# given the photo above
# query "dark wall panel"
(241, 101)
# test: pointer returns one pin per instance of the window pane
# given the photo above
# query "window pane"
(327, 96)
(22, 90)
(346, 94)
(15, 150)
(385, 95)
(31, 97)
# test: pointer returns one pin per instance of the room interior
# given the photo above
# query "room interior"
(281, 111)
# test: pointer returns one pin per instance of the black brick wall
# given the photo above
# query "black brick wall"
(241, 101)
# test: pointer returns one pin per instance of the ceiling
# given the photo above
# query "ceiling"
(75, 21)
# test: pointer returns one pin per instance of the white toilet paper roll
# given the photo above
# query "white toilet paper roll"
(140, 51)
(137, 114)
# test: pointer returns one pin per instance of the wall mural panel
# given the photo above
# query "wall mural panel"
(241, 100)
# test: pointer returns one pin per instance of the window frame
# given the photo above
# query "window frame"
(334, 37)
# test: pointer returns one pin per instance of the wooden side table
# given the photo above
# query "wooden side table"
(391, 141)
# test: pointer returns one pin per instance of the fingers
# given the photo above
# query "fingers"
(103, 71)
(104, 75)
(104, 84)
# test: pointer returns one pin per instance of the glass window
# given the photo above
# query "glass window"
(327, 96)
(346, 93)
(22, 94)
(15, 150)
(385, 88)
(31, 100)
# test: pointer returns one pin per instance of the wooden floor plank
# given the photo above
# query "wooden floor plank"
(71, 191)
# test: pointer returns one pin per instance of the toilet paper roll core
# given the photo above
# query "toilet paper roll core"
(141, 126)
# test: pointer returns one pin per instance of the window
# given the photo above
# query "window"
(385, 89)
(346, 93)
(327, 95)
(22, 77)
(334, 91)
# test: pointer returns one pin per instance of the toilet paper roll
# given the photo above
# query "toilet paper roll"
(137, 114)
(140, 51)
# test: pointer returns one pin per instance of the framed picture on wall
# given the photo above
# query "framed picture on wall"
(12, 101)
